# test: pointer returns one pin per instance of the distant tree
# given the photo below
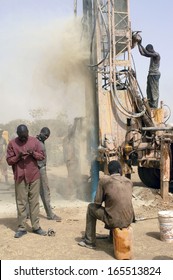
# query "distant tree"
(38, 113)
(58, 128)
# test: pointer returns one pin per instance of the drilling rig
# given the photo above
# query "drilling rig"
(122, 126)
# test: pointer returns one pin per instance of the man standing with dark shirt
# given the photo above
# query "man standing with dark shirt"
(23, 152)
(44, 186)
(153, 74)
(116, 193)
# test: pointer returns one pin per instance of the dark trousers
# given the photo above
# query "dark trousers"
(94, 212)
(153, 90)
(45, 192)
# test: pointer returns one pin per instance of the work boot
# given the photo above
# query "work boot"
(20, 233)
(82, 243)
(40, 231)
(55, 218)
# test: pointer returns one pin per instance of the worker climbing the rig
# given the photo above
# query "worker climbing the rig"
(153, 73)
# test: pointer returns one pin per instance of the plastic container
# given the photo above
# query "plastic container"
(123, 243)
(166, 225)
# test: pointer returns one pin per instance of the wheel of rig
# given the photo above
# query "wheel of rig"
(150, 177)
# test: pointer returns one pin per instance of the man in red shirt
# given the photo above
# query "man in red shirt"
(22, 154)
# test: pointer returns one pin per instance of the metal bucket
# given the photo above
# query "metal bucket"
(166, 225)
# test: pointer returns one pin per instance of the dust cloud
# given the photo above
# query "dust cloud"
(43, 66)
(60, 76)
(50, 72)
(60, 83)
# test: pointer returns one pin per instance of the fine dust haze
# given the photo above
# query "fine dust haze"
(46, 68)
(59, 80)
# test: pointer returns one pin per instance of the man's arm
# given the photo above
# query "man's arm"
(141, 50)
(99, 198)
(11, 157)
(37, 153)
(146, 53)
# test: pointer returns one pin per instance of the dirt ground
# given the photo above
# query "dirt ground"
(63, 246)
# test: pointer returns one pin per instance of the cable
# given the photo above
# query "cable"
(121, 107)
(169, 113)
(108, 36)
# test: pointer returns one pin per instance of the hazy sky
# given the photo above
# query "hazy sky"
(30, 32)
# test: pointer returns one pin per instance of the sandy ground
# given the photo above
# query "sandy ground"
(63, 246)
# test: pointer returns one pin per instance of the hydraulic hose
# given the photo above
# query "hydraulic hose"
(121, 108)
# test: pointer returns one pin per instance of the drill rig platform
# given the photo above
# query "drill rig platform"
(126, 128)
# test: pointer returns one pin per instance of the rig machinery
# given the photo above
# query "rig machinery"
(125, 127)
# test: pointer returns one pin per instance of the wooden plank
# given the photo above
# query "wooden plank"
(165, 170)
